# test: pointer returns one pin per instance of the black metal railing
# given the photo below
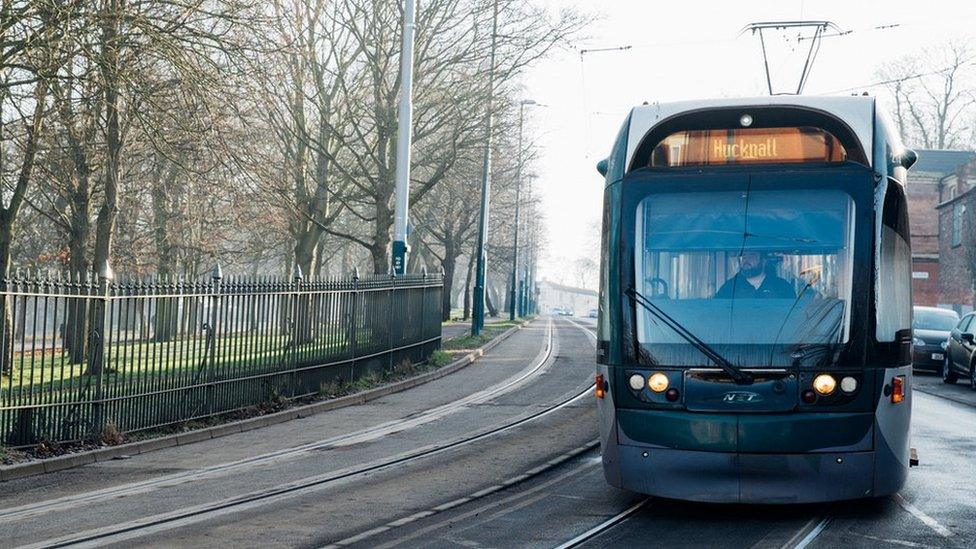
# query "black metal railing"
(83, 355)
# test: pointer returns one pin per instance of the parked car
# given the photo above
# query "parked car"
(592, 313)
(960, 360)
(556, 311)
(931, 327)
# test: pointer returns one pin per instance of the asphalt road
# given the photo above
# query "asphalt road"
(501, 489)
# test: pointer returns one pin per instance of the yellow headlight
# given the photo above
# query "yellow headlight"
(824, 384)
(658, 382)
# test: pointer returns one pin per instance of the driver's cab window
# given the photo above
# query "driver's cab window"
(747, 267)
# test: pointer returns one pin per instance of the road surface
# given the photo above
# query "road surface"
(499, 454)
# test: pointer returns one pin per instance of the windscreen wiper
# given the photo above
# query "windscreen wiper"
(738, 376)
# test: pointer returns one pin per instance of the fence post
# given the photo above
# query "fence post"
(389, 324)
(353, 334)
(96, 365)
(423, 311)
(296, 326)
(210, 394)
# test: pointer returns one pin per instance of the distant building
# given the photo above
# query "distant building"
(925, 182)
(957, 238)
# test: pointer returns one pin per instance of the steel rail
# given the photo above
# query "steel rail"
(603, 526)
(550, 465)
(165, 521)
(533, 473)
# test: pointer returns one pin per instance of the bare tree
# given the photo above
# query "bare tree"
(932, 95)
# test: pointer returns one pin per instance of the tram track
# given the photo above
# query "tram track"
(539, 365)
(511, 482)
(165, 521)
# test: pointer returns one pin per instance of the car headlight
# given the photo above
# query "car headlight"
(636, 382)
(918, 342)
(658, 382)
(944, 345)
(824, 384)
(848, 384)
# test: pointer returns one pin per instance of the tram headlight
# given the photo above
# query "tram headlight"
(824, 384)
(658, 382)
(745, 120)
(636, 382)
(848, 384)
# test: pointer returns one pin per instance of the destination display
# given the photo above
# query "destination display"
(747, 146)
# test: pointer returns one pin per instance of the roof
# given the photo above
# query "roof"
(940, 161)
(856, 111)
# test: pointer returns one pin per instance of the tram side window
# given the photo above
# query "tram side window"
(894, 285)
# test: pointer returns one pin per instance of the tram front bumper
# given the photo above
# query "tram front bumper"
(725, 477)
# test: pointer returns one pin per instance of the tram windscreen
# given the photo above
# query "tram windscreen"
(758, 275)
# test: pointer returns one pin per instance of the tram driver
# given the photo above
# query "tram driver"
(755, 280)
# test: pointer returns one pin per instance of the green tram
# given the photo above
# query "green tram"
(754, 334)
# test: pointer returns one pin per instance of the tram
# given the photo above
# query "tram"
(754, 329)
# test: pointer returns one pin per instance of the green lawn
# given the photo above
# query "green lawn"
(171, 363)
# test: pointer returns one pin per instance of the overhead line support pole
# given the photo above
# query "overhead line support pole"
(404, 134)
(478, 316)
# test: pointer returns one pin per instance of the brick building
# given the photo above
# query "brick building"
(957, 239)
(925, 182)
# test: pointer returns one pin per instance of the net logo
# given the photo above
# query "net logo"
(741, 396)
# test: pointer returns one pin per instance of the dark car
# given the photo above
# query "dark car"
(960, 358)
(931, 327)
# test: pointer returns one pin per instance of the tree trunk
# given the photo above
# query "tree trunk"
(467, 288)
(489, 302)
(105, 222)
(380, 249)
(166, 316)
(75, 323)
(8, 219)
(6, 340)
(449, 264)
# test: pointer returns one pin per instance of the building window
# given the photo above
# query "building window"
(958, 211)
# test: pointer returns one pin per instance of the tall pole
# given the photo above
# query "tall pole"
(404, 133)
(478, 316)
(513, 291)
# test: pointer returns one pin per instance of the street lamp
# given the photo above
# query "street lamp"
(513, 291)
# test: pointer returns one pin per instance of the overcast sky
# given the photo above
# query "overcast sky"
(692, 49)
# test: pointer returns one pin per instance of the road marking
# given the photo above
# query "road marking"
(920, 515)
(605, 525)
(892, 541)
